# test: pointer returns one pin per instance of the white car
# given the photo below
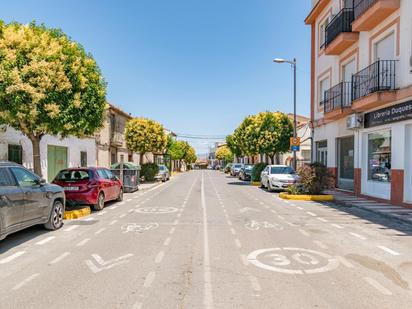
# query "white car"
(278, 177)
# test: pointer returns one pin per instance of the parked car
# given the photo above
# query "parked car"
(89, 186)
(234, 171)
(26, 200)
(245, 172)
(227, 168)
(278, 177)
(163, 173)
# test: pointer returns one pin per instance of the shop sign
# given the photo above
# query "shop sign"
(390, 114)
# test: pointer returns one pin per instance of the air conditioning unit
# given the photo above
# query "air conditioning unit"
(354, 121)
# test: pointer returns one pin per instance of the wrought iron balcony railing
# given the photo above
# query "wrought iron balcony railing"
(342, 22)
(361, 6)
(338, 97)
(379, 76)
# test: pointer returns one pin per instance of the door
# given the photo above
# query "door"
(11, 203)
(348, 70)
(36, 202)
(114, 184)
(105, 184)
(346, 163)
(56, 160)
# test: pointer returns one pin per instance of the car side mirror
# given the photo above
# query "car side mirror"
(42, 182)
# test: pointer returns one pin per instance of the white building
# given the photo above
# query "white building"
(361, 100)
(55, 153)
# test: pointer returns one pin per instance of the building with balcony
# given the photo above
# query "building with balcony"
(361, 99)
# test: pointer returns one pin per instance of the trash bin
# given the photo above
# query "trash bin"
(131, 175)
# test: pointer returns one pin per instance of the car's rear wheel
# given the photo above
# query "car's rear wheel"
(100, 202)
(56, 217)
(120, 196)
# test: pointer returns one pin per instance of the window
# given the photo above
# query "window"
(379, 156)
(322, 33)
(24, 178)
(83, 158)
(282, 170)
(322, 152)
(109, 174)
(73, 175)
(102, 174)
(5, 178)
(385, 48)
(306, 155)
(323, 86)
(15, 154)
(348, 70)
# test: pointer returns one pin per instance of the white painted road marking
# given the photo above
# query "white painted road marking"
(149, 279)
(113, 222)
(172, 230)
(358, 236)
(25, 281)
(311, 213)
(59, 258)
(255, 283)
(100, 231)
(304, 232)
(232, 231)
(337, 225)
(167, 241)
(323, 220)
(320, 244)
(238, 244)
(70, 228)
(159, 257)
(83, 242)
(12, 257)
(388, 250)
(46, 240)
(300, 208)
(102, 213)
(105, 265)
(344, 262)
(208, 296)
(377, 286)
(89, 219)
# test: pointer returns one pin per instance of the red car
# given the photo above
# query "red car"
(89, 186)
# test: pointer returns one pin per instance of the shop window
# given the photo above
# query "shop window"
(379, 156)
(83, 158)
(322, 152)
(15, 154)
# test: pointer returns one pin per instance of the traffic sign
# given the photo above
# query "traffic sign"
(295, 148)
(294, 141)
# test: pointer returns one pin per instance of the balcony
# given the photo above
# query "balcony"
(338, 32)
(338, 101)
(374, 85)
(369, 13)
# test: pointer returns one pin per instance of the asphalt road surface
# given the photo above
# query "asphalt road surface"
(206, 240)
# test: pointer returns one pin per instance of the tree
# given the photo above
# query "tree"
(233, 143)
(48, 85)
(274, 130)
(224, 153)
(190, 156)
(178, 150)
(145, 135)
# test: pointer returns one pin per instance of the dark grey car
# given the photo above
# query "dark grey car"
(26, 200)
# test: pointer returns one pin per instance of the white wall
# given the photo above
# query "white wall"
(74, 147)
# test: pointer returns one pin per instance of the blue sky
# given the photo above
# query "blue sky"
(198, 67)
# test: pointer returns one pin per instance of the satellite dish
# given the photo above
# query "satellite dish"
(3, 128)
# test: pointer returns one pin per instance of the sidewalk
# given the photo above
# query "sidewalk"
(387, 210)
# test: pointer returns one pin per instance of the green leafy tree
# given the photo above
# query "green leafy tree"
(48, 85)
(190, 155)
(145, 135)
(233, 143)
(178, 150)
(224, 153)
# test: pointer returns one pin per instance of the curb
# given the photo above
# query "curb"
(382, 214)
(255, 183)
(77, 213)
(322, 198)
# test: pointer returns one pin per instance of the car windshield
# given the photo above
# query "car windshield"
(161, 168)
(237, 165)
(73, 175)
(248, 167)
(282, 170)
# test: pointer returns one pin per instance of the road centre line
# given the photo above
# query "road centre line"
(12, 257)
(149, 279)
(46, 240)
(167, 241)
(25, 281)
(388, 250)
(83, 242)
(208, 291)
(59, 258)
(358, 236)
(377, 286)
(159, 257)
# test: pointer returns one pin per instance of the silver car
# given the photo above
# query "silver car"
(26, 200)
(163, 174)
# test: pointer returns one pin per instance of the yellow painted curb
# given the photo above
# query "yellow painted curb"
(77, 213)
(255, 183)
(325, 197)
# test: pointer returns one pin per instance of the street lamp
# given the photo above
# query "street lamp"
(293, 64)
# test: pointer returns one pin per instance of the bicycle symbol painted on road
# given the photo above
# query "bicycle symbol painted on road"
(296, 261)
(139, 228)
(156, 210)
(255, 225)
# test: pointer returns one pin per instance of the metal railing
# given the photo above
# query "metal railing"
(379, 76)
(361, 6)
(338, 97)
(342, 22)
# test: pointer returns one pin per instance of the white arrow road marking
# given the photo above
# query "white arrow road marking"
(105, 265)
(12, 257)
(245, 209)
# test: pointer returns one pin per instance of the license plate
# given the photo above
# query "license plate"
(71, 188)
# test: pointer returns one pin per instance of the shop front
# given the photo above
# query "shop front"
(385, 152)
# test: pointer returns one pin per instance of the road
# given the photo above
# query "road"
(206, 240)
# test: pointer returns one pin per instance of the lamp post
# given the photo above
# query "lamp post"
(293, 64)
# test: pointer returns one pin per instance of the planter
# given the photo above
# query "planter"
(77, 212)
(306, 197)
(255, 183)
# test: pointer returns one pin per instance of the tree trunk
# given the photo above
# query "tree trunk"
(277, 156)
(141, 158)
(35, 141)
